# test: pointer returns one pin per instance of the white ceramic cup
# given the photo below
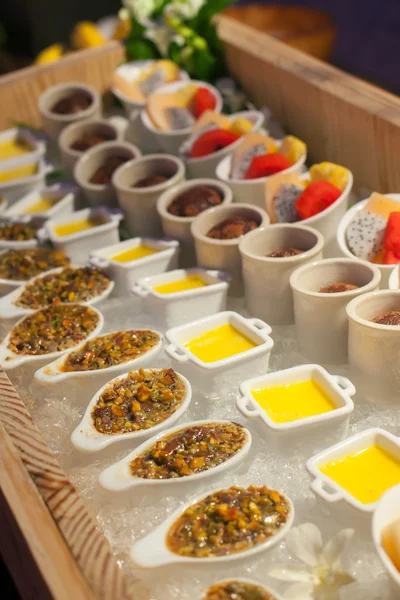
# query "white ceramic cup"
(387, 513)
(344, 250)
(91, 160)
(54, 123)
(224, 255)
(140, 204)
(179, 228)
(74, 131)
(374, 349)
(321, 321)
(394, 279)
(266, 280)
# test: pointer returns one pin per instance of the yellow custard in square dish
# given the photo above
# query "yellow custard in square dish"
(18, 173)
(42, 205)
(191, 282)
(219, 343)
(294, 401)
(134, 253)
(366, 474)
(76, 226)
(13, 149)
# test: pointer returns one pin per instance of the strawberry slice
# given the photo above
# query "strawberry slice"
(267, 164)
(317, 196)
(391, 239)
(212, 141)
(391, 258)
(203, 100)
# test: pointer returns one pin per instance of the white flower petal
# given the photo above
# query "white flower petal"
(305, 542)
(291, 573)
(299, 591)
(335, 547)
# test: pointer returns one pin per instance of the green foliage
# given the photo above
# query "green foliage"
(141, 49)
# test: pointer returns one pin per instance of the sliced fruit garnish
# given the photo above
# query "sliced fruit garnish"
(293, 148)
(268, 164)
(212, 141)
(391, 238)
(327, 171)
(391, 258)
(159, 106)
(201, 101)
(317, 196)
(241, 126)
(252, 144)
(128, 88)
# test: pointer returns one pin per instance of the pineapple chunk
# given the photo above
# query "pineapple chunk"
(170, 71)
(185, 96)
(293, 148)
(327, 171)
(240, 126)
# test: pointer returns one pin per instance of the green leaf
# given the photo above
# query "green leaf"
(204, 65)
(54, 175)
(211, 8)
(141, 49)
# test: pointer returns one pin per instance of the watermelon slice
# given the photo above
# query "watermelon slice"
(212, 141)
(203, 100)
(317, 196)
(391, 239)
(267, 164)
(391, 258)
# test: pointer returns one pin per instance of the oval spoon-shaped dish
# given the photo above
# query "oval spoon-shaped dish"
(118, 477)
(273, 595)
(86, 438)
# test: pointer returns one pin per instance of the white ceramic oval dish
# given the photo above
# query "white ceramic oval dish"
(385, 270)
(10, 360)
(125, 274)
(118, 477)
(79, 245)
(387, 512)
(330, 491)
(394, 279)
(14, 189)
(267, 590)
(85, 438)
(228, 372)
(53, 373)
(178, 308)
(23, 135)
(63, 197)
(206, 166)
(338, 388)
(152, 550)
(8, 304)
(170, 141)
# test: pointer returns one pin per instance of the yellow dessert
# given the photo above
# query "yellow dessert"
(41, 205)
(366, 474)
(17, 173)
(191, 282)
(391, 542)
(284, 403)
(135, 253)
(219, 343)
(327, 171)
(74, 227)
(293, 148)
(13, 149)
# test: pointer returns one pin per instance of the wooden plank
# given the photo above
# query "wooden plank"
(19, 91)
(342, 118)
(81, 536)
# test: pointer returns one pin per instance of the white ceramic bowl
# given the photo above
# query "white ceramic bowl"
(387, 512)
(131, 71)
(53, 373)
(140, 204)
(206, 166)
(10, 360)
(333, 423)
(24, 136)
(385, 270)
(274, 595)
(179, 307)
(224, 254)
(321, 320)
(179, 228)
(374, 348)
(266, 280)
(171, 141)
(64, 201)
(8, 304)
(8, 285)
(18, 245)
(87, 439)
(227, 373)
(125, 274)
(79, 245)
(118, 477)
(333, 493)
(152, 550)
(394, 279)
(15, 189)
(251, 191)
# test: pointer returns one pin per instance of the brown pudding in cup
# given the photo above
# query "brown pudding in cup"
(194, 201)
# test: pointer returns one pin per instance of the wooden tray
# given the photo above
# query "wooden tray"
(50, 541)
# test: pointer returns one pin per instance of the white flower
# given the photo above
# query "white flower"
(184, 9)
(161, 36)
(321, 575)
(141, 9)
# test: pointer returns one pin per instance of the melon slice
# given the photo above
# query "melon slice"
(159, 107)
(382, 206)
(211, 117)
(253, 144)
(281, 192)
(327, 171)
(169, 70)
(293, 148)
(391, 542)
(130, 89)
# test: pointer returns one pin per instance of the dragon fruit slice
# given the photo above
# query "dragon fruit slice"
(154, 81)
(241, 168)
(179, 118)
(364, 234)
(284, 207)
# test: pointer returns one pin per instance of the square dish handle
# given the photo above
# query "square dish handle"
(140, 291)
(318, 487)
(177, 353)
(99, 261)
(242, 405)
(344, 384)
(260, 325)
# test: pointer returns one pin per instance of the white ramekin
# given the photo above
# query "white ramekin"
(23, 135)
(15, 189)
(64, 205)
(386, 513)
(394, 279)
(245, 580)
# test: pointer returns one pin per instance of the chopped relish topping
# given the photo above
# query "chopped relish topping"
(111, 349)
(228, 521)
(21, 265)
(140, 400)
(53, 329)
(72, 284)
(17, 232)
(189, 451)
(237, 590)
